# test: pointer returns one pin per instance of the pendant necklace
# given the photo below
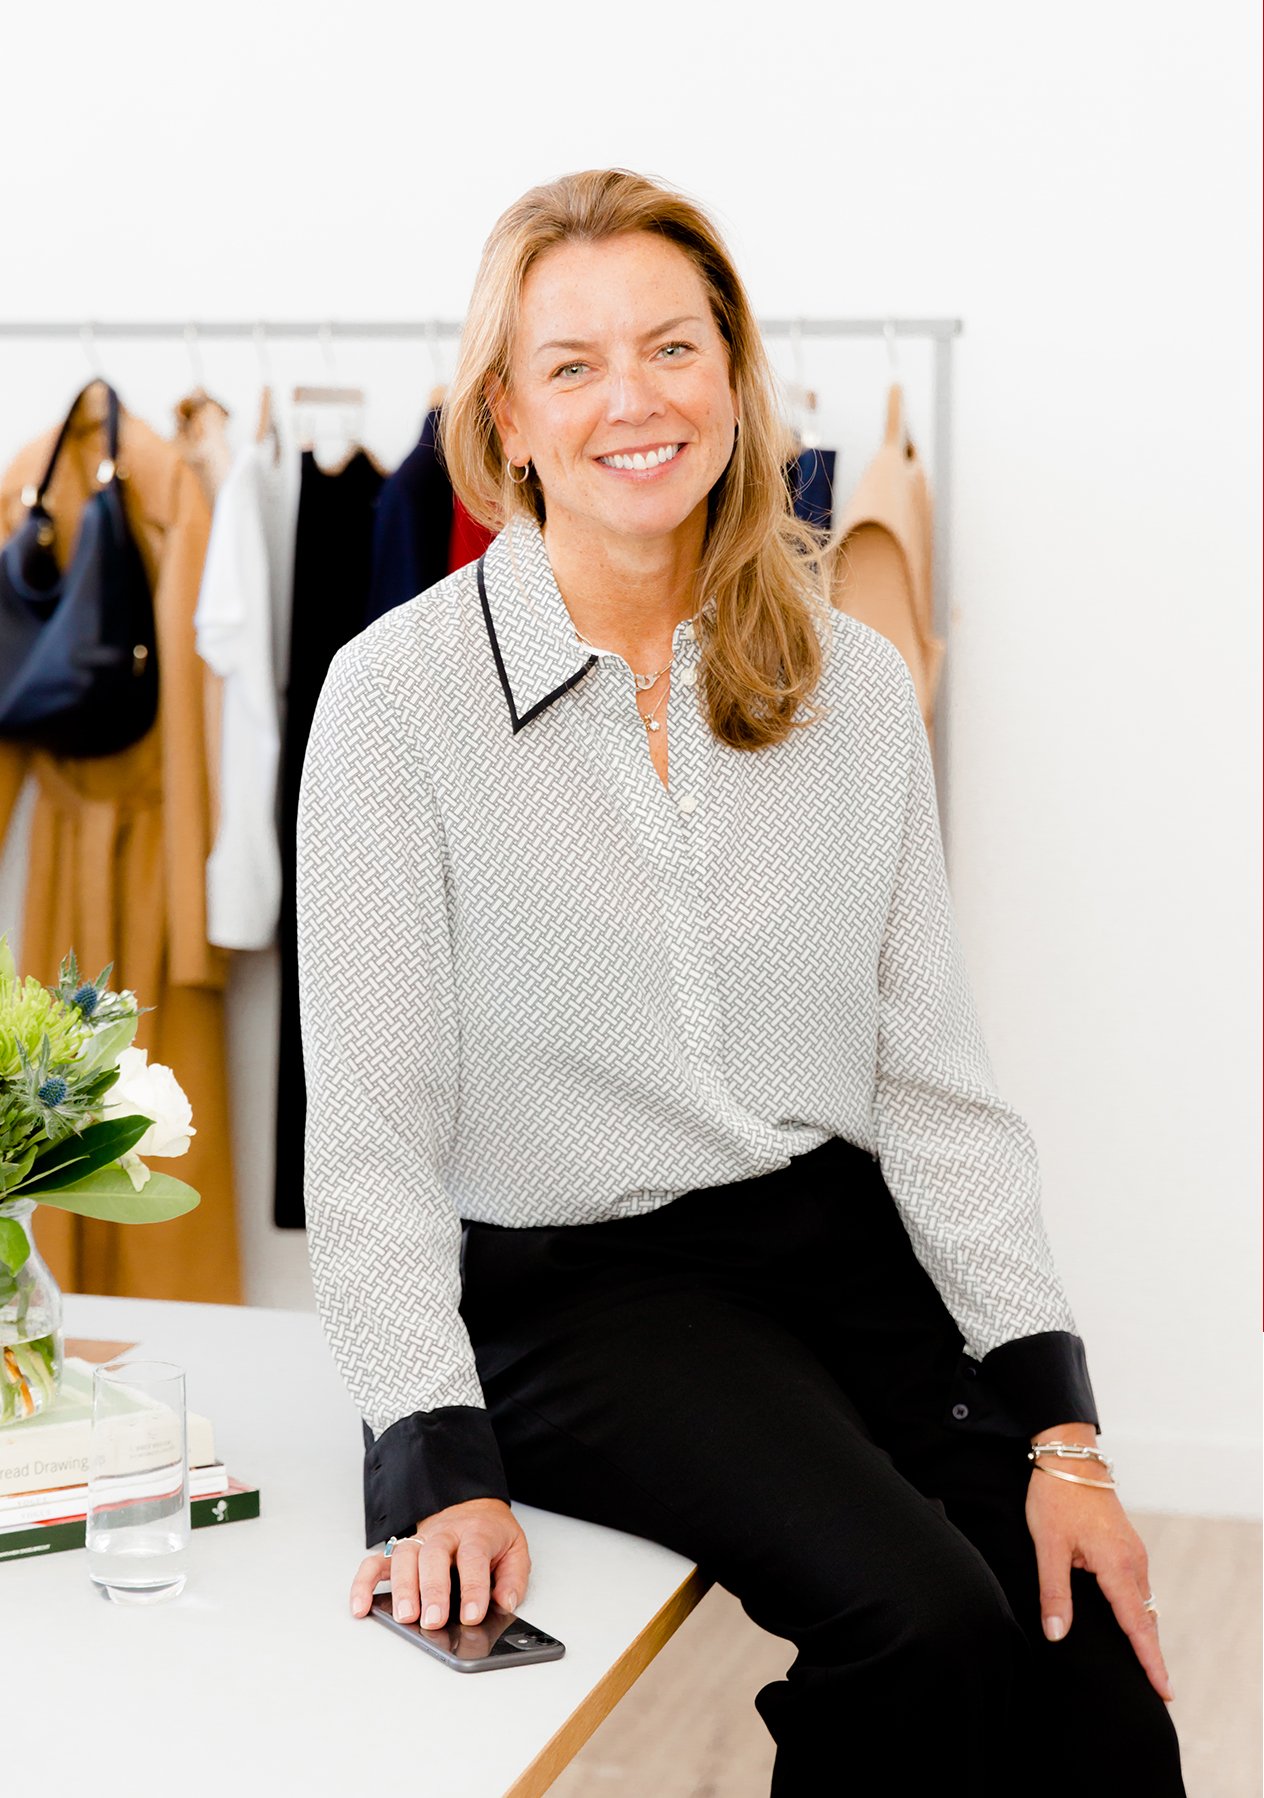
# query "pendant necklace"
(647, 718)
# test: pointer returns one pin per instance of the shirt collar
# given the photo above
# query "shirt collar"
(531, 634)
(533, 642)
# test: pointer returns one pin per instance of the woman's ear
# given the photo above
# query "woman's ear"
(501, 409)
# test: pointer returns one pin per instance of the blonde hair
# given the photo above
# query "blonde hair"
(761, 652)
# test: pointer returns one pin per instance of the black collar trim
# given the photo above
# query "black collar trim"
(516, 721)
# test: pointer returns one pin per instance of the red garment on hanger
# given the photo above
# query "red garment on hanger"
(467, 539)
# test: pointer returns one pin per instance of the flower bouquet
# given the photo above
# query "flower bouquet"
(79, 1108)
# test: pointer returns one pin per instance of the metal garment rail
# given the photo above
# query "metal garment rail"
(940, 331)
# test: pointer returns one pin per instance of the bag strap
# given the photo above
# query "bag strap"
(112, 427)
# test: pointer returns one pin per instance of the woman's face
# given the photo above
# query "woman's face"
(617, 354)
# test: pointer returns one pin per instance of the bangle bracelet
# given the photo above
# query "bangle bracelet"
(1077, 1478)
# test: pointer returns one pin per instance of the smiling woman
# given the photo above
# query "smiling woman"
(674, 1190)
(612, 385)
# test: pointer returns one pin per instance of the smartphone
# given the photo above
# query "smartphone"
(502, 1639)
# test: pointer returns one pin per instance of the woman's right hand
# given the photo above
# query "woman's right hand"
(485, 1540)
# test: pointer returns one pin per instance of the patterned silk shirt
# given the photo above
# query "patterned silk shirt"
(540, 987)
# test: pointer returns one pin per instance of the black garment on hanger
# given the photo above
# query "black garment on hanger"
(333, 559)
(414, 523)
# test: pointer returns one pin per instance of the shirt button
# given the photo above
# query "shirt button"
(688, 802)
(961, 1410)
(688, 676)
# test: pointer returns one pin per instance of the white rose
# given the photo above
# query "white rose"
(151, 1092)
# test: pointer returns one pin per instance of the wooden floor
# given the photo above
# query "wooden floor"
(689, 1729)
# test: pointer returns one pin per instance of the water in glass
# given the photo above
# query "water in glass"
(138, 1519)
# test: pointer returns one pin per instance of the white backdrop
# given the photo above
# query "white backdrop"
(1083, 193)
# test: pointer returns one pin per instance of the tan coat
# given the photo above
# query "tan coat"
(117, 867)
(881, 547)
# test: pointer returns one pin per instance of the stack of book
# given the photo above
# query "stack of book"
(44, 1474)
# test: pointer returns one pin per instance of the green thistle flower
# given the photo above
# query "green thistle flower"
(61, 1106)
(30, 1014)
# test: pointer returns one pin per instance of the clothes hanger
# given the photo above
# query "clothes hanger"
(897, 431)
(90, 414)
(350, 402)
(802, 397)
(197, 398)
(266, 427)
(439, 388)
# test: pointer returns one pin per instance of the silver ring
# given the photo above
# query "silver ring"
(389, 1550)
(1150, 1604)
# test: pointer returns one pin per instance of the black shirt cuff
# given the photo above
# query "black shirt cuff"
(426, 1462)
(1043, 1380)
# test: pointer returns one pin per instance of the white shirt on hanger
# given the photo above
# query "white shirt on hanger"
(242, 612)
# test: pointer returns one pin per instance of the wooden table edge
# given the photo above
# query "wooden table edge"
(566, 1742)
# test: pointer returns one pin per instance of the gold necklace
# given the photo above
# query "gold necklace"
(643, 681)
(647, 718)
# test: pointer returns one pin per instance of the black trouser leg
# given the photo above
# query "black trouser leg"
(755, 1376)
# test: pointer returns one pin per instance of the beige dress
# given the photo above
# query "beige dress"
(117, 868)
(881, 556)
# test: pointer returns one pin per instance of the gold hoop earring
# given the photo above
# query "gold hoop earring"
(526, 472)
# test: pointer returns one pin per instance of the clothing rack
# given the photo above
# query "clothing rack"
(940, 331)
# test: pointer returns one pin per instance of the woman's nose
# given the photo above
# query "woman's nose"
(632, 397)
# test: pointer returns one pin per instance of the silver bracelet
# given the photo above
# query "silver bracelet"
(1076, 1478)
(1071, 1451)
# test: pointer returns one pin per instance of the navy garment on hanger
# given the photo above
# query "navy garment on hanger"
(811, 480)
(414, 522)
(333, 561)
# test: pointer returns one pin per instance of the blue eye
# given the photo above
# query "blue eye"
(677, 346)
(567, 365)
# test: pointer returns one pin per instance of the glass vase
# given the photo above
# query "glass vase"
(31, 1339)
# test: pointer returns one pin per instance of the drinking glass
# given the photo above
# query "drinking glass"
(138, 1517)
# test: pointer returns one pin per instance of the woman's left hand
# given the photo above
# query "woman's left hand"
(1073, 1526)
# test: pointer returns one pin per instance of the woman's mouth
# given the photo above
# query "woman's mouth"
(642, 464)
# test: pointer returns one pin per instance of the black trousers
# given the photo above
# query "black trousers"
(762, 1376)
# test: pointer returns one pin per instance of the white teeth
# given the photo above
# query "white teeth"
(651, 459)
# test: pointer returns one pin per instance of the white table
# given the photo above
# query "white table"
(257, 1678)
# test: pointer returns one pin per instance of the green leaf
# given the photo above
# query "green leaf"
(108, 1043)
(90, 1092)
(13, 1171)
(69, 1161)
(109, 1194)
(14, 1245)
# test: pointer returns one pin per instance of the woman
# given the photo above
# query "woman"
(656, 1172)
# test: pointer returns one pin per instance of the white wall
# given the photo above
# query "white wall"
(1080, 188)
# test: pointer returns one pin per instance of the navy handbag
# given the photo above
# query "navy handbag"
(78, 651)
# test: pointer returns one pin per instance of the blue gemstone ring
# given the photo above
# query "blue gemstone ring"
(389, 1550)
